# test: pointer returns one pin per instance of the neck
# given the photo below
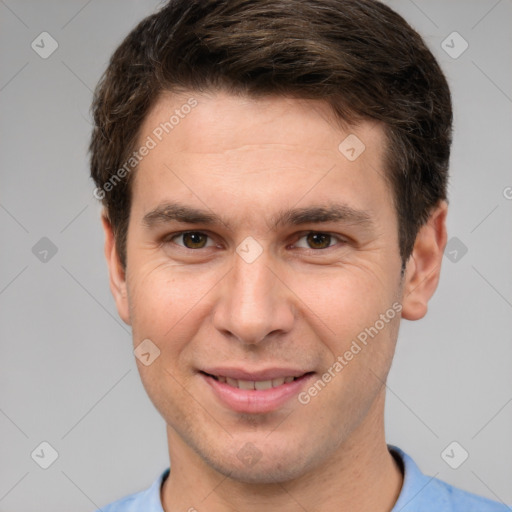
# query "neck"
(360, 475)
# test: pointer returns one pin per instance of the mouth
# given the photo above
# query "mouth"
(265, 392)
(259, 385)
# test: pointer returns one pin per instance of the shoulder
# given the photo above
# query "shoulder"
(457, 500)
(147, 500)
(126, 504)
(422, 493)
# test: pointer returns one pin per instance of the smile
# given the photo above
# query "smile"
(254, 384)
(265, 394)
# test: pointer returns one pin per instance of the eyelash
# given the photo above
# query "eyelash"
(168, 239)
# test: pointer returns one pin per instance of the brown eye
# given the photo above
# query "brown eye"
(318, 240)
(192, 239)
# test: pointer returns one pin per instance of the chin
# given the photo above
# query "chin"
(260, 473)
(249, 465)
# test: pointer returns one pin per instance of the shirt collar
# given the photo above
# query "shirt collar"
(414, 480)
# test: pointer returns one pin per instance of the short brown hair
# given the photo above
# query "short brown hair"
(359, 56)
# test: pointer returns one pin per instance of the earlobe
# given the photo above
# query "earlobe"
(424, 265)
(116, 272)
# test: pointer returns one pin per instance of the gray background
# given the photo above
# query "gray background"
(67, 372)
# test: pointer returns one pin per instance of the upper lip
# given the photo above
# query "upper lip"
(255, 375)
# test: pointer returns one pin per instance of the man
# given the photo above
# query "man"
(273, 176)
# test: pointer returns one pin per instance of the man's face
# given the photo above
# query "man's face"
(256, 292)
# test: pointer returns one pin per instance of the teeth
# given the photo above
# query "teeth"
(251, 384)
(263, 384)
(246, 384)
(232, 382)
(279, 381)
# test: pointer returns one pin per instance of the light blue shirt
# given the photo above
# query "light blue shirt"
(420, 493)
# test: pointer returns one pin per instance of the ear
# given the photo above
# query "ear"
(116, 271)
(424, 265)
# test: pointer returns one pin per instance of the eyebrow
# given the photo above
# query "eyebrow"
(333, 212)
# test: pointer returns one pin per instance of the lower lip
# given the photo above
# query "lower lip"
(256, 401)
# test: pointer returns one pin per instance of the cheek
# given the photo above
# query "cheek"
(345, 300)
(162, 308)
(157, 301)
(168, 304)
(349, 308)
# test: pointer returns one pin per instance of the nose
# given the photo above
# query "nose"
(254, 301)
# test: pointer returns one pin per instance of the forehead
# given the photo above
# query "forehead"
(231, 151)
(217, 115)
